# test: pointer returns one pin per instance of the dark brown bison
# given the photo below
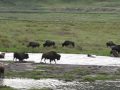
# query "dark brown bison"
(2, 71)
(2, 55)
(48, 43)
(113, 46)
(20, 56)
(52, 56)
(33, 44)
(68, 43)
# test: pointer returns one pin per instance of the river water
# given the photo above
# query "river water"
(75, 59)
(25, 84)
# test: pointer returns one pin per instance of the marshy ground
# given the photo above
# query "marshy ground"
(62, 71)
(67, 73)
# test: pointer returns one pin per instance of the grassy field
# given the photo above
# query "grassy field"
(89, 23)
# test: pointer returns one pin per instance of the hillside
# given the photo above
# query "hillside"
(89, 23)
(60, 5)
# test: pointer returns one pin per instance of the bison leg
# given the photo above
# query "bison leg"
(50, 61)
(114, 53)
(41, 60)
(2, 75)
(45, 60)
(2, 72)
(55, 61)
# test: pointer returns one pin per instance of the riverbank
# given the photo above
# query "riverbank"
(61, 71)
(33, 76)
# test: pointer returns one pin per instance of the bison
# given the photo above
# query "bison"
(33, 44)
(52, 56)
(2, 55)
(48, 43)
(2, 71)
(113, 46)
(68, 43)
(20, 56)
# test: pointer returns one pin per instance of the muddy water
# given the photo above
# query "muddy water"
(25, 84)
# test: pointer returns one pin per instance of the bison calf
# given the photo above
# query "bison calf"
(52, 56)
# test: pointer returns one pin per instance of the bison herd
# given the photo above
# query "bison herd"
(52, 55)
(49, 43)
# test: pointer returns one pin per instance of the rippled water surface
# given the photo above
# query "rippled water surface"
(24, 84)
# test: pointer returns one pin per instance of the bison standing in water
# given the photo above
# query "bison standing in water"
(48, 43)
(20, 56)
(68, 43)
(33, 44)
(52, 56)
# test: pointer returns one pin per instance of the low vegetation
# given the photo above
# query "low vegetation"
(67, 73)
(6, 88)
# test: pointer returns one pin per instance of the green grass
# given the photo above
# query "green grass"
(100, 77)
(6, 88)
(38, 4)
(37, 20)
(42, 89)
(87, 32)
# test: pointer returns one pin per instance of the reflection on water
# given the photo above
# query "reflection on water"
(60, 85)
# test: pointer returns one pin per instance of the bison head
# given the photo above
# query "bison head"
(26, 56)
(58, 57)
(110, 43)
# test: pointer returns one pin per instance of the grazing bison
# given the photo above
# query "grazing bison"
(2, 71)
(2, 55)
(48, 43)
(68, 43)
(52, 56)
(20, 56)
(113, 46)
(33, 44)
